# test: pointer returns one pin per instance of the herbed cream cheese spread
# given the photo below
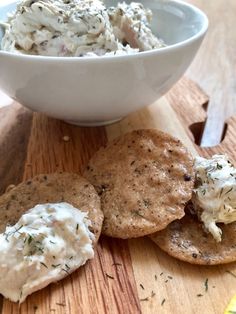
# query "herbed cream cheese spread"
(215, 194)
(48, 242)
(78, 28)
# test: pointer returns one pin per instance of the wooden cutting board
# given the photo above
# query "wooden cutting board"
(125, 276)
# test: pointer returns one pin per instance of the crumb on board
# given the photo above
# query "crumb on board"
(66, 138)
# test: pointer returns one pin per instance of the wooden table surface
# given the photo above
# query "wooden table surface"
(214, 68)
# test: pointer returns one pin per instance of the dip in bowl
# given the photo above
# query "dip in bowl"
(101, 90)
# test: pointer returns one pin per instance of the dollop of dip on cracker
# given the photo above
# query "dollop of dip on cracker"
(47, 243)
(215, 193)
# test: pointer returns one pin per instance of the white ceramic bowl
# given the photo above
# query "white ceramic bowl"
(96, 91)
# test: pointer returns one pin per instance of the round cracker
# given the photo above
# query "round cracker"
(187, 240)
(144, 179)
(52, 188)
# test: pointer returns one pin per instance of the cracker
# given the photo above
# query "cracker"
(144, 179)
(51, 188)
(187, 240)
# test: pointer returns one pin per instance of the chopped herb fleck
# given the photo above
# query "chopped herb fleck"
(43, 264)
(199, 295)
(30, 238)
(163, 301)
(206, 285)
(109, 276)
(145, 299)
(221, 191)
(231, 273)
(155, 277)
(153, 294)
(161, 274)
(229, 191)
(170, 277)
(57, 265)
(141, 286)
(66, 271)
(52, 242)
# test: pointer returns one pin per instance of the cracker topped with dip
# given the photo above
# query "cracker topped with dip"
(49, 226)
(206, 235)
(144, 179)
(52, 188)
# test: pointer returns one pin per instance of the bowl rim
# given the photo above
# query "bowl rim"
(158, 51)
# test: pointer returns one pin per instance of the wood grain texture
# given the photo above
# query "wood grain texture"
(214, 66)
(15, 124)
(128, 276)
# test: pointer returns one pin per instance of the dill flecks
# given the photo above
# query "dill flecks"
(109, 276)
(145, 299)
(206, 285)
(163, 301)
(56, 265)
(66, 271)
(141, 286)
(231, 273)
(43, 264)
(229, 191)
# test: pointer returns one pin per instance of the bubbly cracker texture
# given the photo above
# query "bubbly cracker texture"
(144, 179)
(187, 240)
(52, 188)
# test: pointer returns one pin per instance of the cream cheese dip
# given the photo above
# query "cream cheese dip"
(48, 242)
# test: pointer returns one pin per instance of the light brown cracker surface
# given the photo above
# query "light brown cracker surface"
(144, 179)
(186, 239)
(52, 188)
